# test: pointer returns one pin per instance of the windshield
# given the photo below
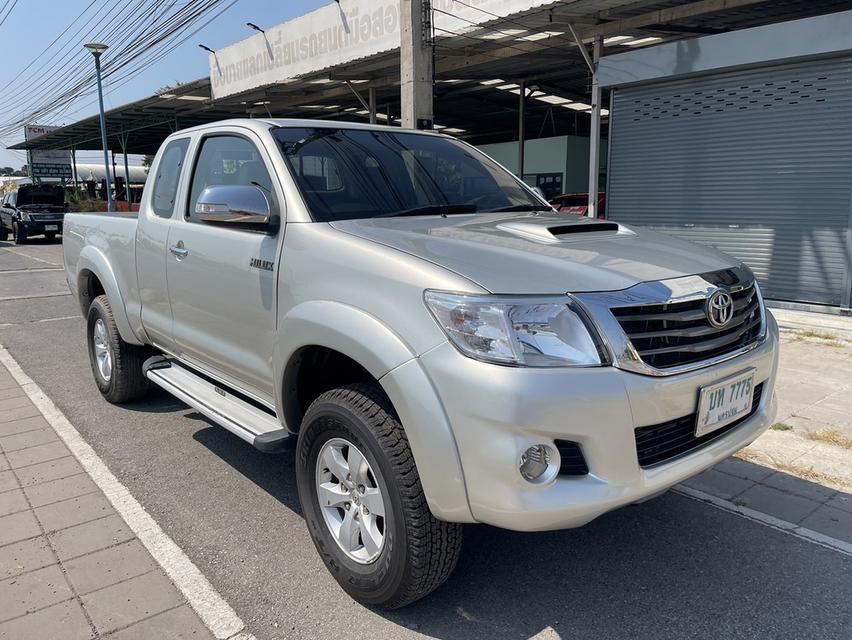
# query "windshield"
(356, 173)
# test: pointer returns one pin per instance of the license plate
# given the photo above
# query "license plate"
(723, 402)
(51, 227)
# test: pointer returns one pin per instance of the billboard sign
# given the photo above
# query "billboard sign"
(335, 34)
(46, 163)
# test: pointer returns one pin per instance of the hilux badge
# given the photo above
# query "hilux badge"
(719, 308)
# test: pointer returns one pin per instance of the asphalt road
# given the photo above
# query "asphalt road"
(671, 567)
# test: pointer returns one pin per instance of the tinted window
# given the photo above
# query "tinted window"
(353, 173)
(168, 175)
(227, 160)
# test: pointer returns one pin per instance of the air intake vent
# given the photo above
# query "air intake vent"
(573, 462)
(555, 233)
(571, 229)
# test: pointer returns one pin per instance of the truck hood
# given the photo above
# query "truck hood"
(34, 195)
(540, 253)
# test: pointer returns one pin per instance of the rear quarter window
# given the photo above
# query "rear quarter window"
(168, 176)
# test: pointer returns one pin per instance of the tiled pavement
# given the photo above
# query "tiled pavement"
(778, 494)
(70, 568)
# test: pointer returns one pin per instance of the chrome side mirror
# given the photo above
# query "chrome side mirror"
(233, 204)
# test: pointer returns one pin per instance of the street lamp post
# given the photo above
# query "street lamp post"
(96, 49)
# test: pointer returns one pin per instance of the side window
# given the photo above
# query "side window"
(168, 175)
(227, 160)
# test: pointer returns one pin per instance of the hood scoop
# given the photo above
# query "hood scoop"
(556, 233)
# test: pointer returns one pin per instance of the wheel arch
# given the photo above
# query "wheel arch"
(368, 350)
(95, 277)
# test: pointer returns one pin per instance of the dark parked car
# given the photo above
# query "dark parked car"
(578, 204)
(32, 210)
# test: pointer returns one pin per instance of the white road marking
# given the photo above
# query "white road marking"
(217, 614)
(39, 270)
(17, 324)
(30, 256)
(790, 528)
(36, 295)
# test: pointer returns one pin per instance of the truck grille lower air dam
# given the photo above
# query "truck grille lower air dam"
(665, 441)
(680, 333)
(572, 461)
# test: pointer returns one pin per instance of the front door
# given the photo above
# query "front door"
(222, 277)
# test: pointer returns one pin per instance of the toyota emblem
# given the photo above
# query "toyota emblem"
(720, 308)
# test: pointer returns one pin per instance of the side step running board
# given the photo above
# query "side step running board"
(257, 426)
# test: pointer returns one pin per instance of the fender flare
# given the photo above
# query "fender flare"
(93, 260)
(372, 344)
(344, 328)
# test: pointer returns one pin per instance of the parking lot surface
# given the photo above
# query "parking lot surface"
(671, 567)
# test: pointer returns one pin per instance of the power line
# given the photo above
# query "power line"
(144, 42)
(3, 19)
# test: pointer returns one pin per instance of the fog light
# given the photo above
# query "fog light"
(538, 463)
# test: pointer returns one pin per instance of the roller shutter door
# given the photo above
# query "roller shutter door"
(757, 163)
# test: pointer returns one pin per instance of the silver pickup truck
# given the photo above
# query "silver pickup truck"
(438, 345)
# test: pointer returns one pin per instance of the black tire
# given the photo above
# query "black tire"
(419, 551)
(19, 233)
(4, 233)
(126, 381)
(50, 237)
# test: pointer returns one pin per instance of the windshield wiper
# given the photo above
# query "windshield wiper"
(430, 209)
(520, 207)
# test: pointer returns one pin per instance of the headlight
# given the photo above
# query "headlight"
(25, 216)
(545, 332)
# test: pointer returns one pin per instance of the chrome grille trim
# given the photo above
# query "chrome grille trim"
(635, 350)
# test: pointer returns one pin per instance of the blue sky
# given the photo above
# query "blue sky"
(33, 24)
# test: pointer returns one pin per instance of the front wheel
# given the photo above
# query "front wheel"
(363, 501)
(117, 365)
(19, 233)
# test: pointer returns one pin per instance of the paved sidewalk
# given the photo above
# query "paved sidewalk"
(70, 568)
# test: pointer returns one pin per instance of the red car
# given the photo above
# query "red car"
(578, 203)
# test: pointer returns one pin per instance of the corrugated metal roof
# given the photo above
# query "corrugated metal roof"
(534, 46)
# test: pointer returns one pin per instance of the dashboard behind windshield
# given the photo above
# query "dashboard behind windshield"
(346, 174)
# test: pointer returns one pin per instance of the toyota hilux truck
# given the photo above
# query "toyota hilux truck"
(435, 342)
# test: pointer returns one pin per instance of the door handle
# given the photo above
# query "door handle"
(178, 250)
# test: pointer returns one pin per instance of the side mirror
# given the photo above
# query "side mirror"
(233, 204)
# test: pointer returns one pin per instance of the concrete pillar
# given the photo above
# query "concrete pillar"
(522, 133)
(416, 67)
(371, 99)
(595, 132)
(74, 169)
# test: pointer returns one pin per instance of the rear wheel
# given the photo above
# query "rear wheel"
(117, 365)
(19, 233)
(363, 501)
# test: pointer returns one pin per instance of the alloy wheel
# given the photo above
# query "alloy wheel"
(350, 500)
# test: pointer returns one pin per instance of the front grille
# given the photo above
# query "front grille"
(667, 440)
(671, 334)
(572, 461)
(47, 217)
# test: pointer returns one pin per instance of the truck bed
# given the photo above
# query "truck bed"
(103, 239)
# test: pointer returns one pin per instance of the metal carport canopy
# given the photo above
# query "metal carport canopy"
(534, 46)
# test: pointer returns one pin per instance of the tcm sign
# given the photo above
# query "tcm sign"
(46, 163)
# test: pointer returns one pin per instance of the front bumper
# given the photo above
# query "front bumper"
(497, 412)
(39, 227)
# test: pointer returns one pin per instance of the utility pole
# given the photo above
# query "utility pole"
(595, 132)
(96, 49)
(416, 64)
